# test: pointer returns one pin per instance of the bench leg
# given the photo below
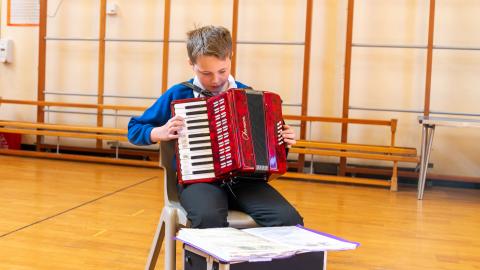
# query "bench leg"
(394, 180)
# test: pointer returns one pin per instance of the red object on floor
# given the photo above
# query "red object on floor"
(10, 141)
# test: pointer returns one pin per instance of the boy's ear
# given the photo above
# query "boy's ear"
(189, 61)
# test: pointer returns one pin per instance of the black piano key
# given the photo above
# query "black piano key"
(199, 142)
(192, 121)
(197, 112)
(198, 135)
(203, 171)
(197, 127)
(200, 148)
(195, 106)
(201, 156)
(202, 163)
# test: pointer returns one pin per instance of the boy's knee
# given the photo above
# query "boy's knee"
(208, 219)
(290, 218)
(282, 216)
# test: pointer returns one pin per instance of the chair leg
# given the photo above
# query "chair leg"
(157, 243)
(170, 232)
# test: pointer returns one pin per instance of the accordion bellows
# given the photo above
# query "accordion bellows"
(232, 135)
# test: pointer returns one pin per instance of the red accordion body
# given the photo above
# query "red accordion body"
(234, 134)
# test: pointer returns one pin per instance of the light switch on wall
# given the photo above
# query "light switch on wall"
(6, 47)
(111, 8)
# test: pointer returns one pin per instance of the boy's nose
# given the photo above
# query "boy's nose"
(216, 78)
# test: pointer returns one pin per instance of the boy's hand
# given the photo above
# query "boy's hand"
(288, 135)
(169, 131)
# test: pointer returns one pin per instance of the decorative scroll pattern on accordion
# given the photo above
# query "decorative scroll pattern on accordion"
(234, 134)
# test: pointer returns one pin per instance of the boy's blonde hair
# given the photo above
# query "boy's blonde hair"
(210, 41)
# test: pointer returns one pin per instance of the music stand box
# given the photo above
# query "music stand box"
(261, 248)
(195, 259)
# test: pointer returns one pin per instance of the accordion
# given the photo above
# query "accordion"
(234, 134)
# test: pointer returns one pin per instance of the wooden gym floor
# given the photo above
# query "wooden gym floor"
(73, 215)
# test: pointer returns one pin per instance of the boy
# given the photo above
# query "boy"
(209, 52)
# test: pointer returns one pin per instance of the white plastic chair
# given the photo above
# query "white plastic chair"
(173, 215)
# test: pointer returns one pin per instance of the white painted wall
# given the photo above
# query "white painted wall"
(381, 78)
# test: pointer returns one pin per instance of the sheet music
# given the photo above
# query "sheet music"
(233, 245)
(302, 239)
(260, 244)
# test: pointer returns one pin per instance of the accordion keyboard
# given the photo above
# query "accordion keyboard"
(194, 144)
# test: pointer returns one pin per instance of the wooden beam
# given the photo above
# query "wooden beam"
(166, 45)
(101, 65)
(306, 76)
(73, 105)
(356, 147)
(390, 123)
(63, 127)
(348, 66)
(234, 37)
(42, 51)
(428, 75)
(142, 163)
(414, 175)
(334, 153)
(137, 152)
(393, 131)
(340, 120)
(78, 135)
(346, 81)
(337, 179)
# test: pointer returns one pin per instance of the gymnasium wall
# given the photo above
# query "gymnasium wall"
(390, 79)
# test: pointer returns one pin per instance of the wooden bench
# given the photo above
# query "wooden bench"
(349, 150)
(373, 152)
(72, 131)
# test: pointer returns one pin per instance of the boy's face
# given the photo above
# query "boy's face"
(212, 72)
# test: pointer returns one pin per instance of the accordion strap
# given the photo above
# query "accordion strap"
(197, 89)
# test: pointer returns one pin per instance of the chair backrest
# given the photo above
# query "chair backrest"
(167, 152)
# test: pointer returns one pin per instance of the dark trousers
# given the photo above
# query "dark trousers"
(207, 204)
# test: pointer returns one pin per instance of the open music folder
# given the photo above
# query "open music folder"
(232, 245)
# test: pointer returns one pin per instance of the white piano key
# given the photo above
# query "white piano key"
(190, 162)
(189, 166)
(195, 131)
(201, 138)
(187, 154)
(203, 123)
(192, 141)
(193, 147)
(189, 171)
(202, 128)
(195, 153)
(190, 146)
(193, 117)
(184, 111)
(186, 104)
(202, 160)
(190, 105)
(197, 176)
(192, 170)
